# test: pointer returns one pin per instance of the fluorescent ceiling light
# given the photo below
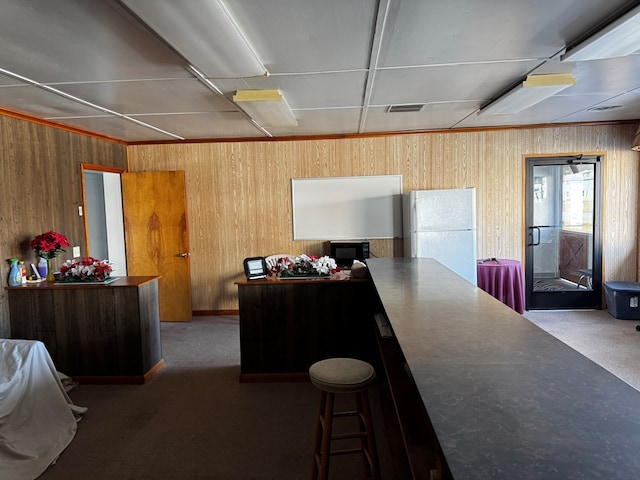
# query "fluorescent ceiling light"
(618, 39)
(204, 33)
(534, 89)
(267, 107)
(636, 142)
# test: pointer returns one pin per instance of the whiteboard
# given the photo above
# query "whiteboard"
(347, 208)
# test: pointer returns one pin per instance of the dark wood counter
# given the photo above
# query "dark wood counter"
(287, 325)
(501, 398)
(96, 333)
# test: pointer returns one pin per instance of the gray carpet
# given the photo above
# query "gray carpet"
(614, 344)
(194, 420)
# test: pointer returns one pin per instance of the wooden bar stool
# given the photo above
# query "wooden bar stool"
(343, 376)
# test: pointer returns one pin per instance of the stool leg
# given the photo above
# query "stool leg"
(324, 428)
(325, 454)
(372, 466)
(318, 440)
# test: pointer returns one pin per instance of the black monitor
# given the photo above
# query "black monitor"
(255, 268)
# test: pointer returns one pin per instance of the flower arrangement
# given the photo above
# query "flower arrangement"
(87, 269)
(304, 265)
(49, 244)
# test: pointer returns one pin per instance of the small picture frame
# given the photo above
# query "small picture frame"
(255, 268)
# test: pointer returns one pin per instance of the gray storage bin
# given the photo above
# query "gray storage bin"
(622, 299)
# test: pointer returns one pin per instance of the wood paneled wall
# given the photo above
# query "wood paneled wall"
(239, 193)
(41, 187)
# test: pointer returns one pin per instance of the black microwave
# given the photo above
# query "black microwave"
(345, 253)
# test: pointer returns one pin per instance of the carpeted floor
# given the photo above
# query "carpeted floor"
(612, 343)
(194, 420)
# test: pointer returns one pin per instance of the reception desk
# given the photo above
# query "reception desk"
(480, 392)
(96, 333)
(288, 324)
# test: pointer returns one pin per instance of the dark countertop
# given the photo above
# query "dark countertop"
(506, 399)
(118, 282)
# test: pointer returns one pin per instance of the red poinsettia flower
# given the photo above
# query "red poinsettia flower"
(49, 244)
(87, 269)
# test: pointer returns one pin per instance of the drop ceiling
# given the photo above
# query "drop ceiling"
(93, 65)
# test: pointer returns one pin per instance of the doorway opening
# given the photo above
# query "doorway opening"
(103, 216)
(563, 256)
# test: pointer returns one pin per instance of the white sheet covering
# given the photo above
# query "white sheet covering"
(37, 418)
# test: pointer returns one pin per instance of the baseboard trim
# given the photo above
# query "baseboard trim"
(154, 370)
(207, 313)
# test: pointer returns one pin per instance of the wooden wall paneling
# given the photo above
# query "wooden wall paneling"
(621, 200)
(41, 184)
(234, 185)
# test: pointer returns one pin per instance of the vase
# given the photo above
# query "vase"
(42, 268)
(50, 278)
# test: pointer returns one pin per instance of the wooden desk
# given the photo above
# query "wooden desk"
(287, 325)
(94, 333)
(498, 397)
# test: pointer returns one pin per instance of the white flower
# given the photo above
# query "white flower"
(324, 265)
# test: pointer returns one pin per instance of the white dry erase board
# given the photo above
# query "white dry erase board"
(345, 208)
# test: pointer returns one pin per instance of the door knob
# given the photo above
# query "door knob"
(184, 254)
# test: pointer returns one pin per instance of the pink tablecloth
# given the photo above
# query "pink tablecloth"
(504, 280)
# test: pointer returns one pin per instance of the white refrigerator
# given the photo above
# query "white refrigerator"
(441, 224)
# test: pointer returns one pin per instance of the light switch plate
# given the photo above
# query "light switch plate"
(76, 252)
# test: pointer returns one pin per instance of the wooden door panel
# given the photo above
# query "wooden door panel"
(574, 254)
(157, 239)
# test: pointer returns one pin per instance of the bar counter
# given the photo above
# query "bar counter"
(504, 399)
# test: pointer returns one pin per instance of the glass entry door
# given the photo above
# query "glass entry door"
(563, 261)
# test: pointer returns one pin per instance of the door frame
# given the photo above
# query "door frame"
(111, 201)
(565, 299)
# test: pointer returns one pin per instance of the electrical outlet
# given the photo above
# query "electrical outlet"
(76, 252)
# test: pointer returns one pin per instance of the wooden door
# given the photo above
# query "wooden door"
(157, 239)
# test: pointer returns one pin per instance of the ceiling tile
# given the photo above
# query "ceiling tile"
(548, 111)
(446, 83)
(165, 96)
(115, 127)
(433, 116)
(37, 102)
(296, 36)
(81, 40)
(329, 122)
(430, 32)
(204, 125)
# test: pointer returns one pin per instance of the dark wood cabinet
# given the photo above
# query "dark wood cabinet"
(287, 325)
(94, 333)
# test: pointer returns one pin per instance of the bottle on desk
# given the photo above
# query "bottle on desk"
(23, 272)
(15, 275)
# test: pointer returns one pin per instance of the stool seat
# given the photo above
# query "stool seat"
(342, 375)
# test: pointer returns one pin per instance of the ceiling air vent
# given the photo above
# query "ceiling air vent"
(405, 108)
(603, 108)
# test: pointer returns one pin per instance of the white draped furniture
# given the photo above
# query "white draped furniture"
(37, 418)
